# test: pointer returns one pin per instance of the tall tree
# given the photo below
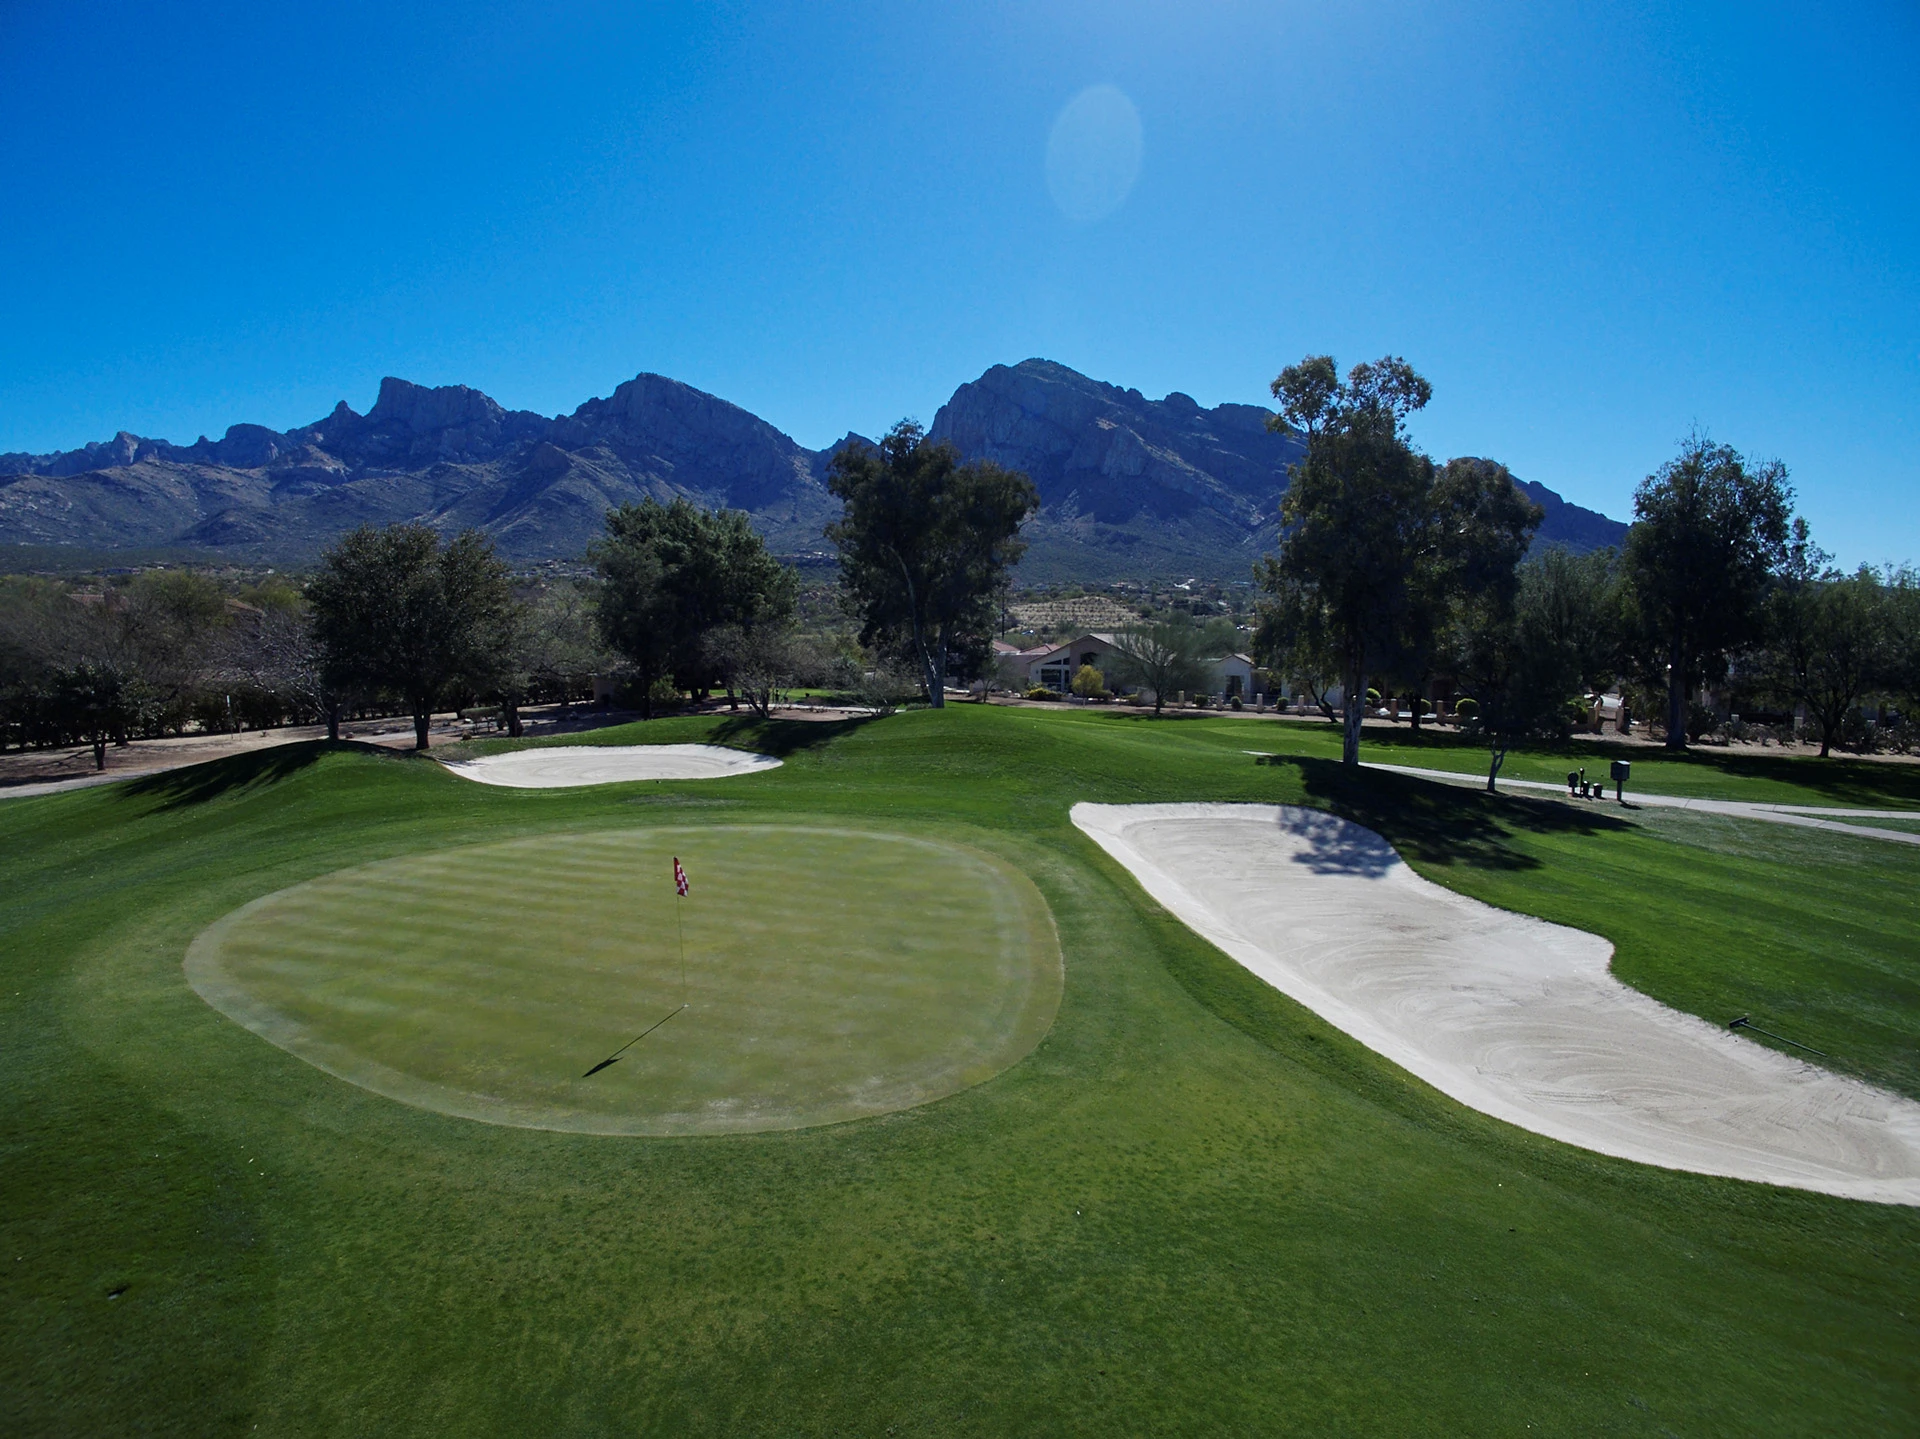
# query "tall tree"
(1709, 532)
(670, 575)
(926, 544)
(1579, 604)
(1356, 520)
(393, 610)
(1481, 525)
(1829, 636)
(1901, 591)
(1513, 655)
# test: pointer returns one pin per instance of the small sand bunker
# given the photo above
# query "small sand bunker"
(564, 766)
(1518, 1018)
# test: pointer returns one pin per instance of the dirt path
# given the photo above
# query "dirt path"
(52, 771)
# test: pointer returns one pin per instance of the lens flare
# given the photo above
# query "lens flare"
(1093, 153)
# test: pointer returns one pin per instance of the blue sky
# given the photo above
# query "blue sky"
(1593, 227)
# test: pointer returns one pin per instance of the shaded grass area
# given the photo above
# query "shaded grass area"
(1195, 1207)
(1704, 772)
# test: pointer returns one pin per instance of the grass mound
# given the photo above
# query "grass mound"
(828, 974)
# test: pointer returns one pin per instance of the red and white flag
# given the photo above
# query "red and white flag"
(679, 878)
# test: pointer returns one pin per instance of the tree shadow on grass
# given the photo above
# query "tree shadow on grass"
(1438, 824)
(783, 738)
(1861, 783)
(199, 783)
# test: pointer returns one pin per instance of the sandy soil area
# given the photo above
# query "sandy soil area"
(565, 766)
(49, 771)
(1518, 1018)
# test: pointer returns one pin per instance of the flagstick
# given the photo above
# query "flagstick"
(681, 925)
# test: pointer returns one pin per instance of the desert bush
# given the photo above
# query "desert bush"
(1089, 684)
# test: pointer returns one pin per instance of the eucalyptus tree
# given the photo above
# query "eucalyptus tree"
(1516, 659)
(1376, 543)
(1710, 532)
(1830, 636)
(926, 545)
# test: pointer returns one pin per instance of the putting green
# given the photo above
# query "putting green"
(830, 975)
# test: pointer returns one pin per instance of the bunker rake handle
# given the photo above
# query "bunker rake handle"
(1744, 1023)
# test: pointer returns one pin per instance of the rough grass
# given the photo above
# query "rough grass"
(1193, 1208)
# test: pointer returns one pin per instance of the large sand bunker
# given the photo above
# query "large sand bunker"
(1516, 1017)
(564, 766)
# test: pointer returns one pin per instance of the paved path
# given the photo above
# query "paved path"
(1808, 816)
(1515, 1017)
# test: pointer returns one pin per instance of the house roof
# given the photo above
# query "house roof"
(1066, 646)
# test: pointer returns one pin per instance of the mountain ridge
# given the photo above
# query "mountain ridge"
(1130, 487)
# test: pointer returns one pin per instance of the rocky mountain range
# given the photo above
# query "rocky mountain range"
(1130, 487)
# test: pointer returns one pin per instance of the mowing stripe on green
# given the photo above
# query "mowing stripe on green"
(829, 975)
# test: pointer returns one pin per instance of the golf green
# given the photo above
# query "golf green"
(828, 975)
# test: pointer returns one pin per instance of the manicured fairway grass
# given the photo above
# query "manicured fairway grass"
(1193, 1207)
(817, 975)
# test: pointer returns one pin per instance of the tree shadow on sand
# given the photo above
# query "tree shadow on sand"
(1435, 823)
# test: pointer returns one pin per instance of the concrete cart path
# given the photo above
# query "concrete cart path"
(1808, 816)
(1515, 1017)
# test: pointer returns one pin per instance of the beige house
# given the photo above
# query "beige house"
(1054, 667)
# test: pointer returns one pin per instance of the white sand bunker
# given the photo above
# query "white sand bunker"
(1516, 1017)
(563, 766)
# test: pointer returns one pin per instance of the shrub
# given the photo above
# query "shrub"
(1040, 692)
(1089, 683)
(1466, 709)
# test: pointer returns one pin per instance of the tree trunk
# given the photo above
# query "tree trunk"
(422, 722)
(1676, 700)
(333, 722)
(937, 671)
(100, 753)
(511, 709)
(1356, 700)
(1499, 757)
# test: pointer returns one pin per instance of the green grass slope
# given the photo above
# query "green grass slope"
(1193, 1208)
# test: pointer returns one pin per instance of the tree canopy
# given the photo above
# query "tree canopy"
(1375, 541)
(395, 611)
(671, 575)
(926, 544)
(1710, 531)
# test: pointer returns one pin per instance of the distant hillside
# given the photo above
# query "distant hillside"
(449, 457)
(1130, 487)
